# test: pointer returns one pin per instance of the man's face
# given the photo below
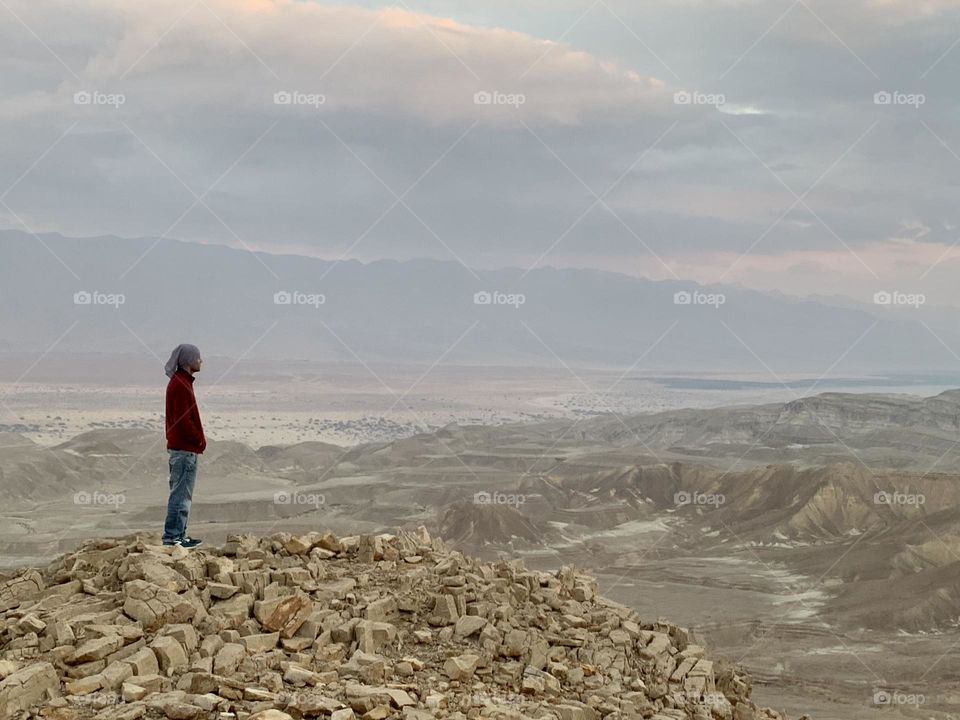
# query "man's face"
(195, 367)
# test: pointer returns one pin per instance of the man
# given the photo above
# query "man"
(185, 442)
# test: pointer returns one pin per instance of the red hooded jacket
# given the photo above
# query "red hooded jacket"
(184, 429)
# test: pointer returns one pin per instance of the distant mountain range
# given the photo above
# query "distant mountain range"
(115, 295)
(879, 430)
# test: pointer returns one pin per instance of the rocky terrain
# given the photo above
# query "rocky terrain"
(370, 627)
(825, 562)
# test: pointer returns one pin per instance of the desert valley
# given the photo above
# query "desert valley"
(810, 541)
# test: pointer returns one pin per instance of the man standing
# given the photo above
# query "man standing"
(185, 442)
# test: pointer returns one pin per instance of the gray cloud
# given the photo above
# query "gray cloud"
(502, 183)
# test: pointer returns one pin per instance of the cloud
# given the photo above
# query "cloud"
(228, 55)
(489, 134)
(915, 8)
(302, 121)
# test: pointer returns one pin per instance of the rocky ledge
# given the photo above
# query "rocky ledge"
(386, 627)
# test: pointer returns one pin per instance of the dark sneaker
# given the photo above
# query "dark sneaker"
(171, 543)
(189, 542)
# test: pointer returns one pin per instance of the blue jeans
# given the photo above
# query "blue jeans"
(183, 475)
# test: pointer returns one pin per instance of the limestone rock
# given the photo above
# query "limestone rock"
(271, 714)
(154, 606)
(96, 649)
(13, 591)
(461, 667)
(26, 687)
(170, 654)
(375, 627)
(261, 643)
(372, 636)
(143, 662)
(468, 625)
(285, 614)
(228, 659)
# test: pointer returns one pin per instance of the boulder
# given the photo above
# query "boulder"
(260, 643)
(284, 614)
(15, 590)
(228, 658)
(27, 687)
(468, 625)
(382, 610)
(171, 656)
(96, 649)
(372, 636)
(271, 714)
(154, 607)
(461, 667)
(143, 662)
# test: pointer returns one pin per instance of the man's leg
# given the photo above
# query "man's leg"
(189, 480)
(183, 471)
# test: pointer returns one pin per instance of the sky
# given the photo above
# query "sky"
(804, 146)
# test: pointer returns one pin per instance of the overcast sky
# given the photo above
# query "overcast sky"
(716, 140)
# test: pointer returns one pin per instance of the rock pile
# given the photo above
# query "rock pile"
(371, 627)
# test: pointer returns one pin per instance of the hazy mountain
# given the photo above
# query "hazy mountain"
(224, 300)
(882, 430)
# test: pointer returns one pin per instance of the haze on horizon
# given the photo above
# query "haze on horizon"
(801, 146)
